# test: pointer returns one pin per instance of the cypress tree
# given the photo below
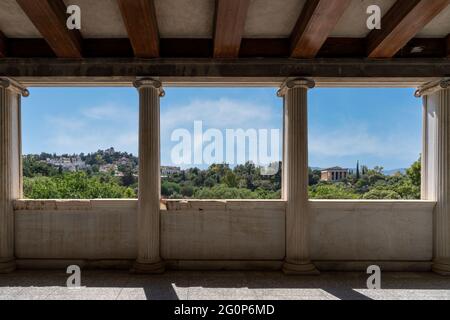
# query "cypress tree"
(357, 170)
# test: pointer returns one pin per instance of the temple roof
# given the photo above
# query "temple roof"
(335, 169)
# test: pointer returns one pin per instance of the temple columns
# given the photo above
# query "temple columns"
(149, 259)
(295, 176)
(436, 166)
(10, 167)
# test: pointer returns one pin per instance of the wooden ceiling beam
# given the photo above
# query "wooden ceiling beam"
(140, 21)
(315, 23)
(230, 16)
(256, 69)
(202, 48)
(400, 24)
(448, 46)
(2, 45)
(49, 17)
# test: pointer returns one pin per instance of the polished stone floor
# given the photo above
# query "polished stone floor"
(172, 285)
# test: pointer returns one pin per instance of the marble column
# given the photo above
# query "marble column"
(295, 176)
(149, 259)
(436, 166)
(10, 167)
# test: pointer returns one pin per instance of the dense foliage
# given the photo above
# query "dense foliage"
(75, 185)
(372, 184)
(219, 181)
(45, 181)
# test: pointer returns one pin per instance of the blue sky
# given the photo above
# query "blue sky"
(374, 126)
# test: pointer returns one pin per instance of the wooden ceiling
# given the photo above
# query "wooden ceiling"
(310, 37)
(49, 17)
(139, 17)
(2, 45)
(403, 21)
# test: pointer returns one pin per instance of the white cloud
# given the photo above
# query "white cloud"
(110, 124)
(94, 128)
(110, 111)
(352, 141)
(221, 113)
(68, 123)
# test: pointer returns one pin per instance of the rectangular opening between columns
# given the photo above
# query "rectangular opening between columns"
(349, 128)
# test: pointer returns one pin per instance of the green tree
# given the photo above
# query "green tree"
(187, 191)
(230, 180)
(74, 185)
(128, 178)
(224, 192)
(168, 189)
(33, 166)
(314, 176)
(332, 191)
(358, 175)
(381, 194)
(414, 172)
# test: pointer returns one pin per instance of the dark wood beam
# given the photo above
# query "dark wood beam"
(127, 68)
(423, 48)
(108, 47)
(140, 21)
(448, 46)
(202, 48)
(49, 17)
(28, 48)
(343, 48)
(2, 45)
(356, 48)
(264, 48)
(400, 24)
(186, 48)
(230, 16)
(317, 20)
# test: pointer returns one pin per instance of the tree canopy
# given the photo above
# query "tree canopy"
(219, 181)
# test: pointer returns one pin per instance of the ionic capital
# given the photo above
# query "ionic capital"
(10, 84)
(295, 83)
(149, 83)
(432, 87)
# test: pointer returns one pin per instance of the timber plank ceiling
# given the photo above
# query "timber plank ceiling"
(226, 29)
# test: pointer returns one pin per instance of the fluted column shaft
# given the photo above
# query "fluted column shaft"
(149, 260)
(436, 167)
(10, 167)
(295, 176)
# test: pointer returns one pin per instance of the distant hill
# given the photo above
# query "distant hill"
(386, 172)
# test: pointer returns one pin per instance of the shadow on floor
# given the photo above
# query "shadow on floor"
(174, 285)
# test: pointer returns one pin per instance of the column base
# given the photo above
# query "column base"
(7, 265)
(305, 268)
(148, 267)
(441, 267)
